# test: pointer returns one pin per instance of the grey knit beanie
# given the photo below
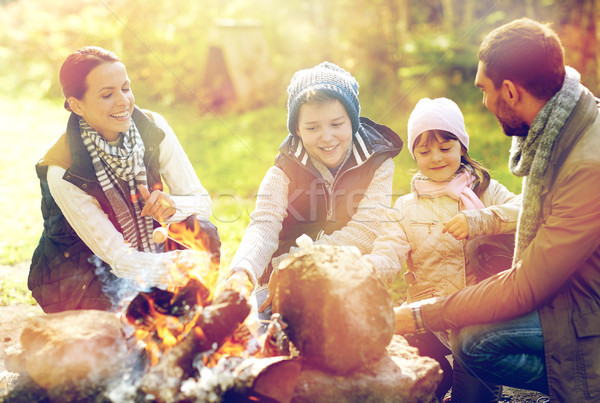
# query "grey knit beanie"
(330, 79)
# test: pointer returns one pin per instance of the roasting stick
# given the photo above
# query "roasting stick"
(161, 234)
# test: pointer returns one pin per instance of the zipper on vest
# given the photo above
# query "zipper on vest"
(328, 196)
(328, 202)
(429, 224)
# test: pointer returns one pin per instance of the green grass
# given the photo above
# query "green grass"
(27, 128)
(14, 292)
(230, 154)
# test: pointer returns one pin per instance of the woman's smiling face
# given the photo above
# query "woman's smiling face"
(326, 131)
(108, 101)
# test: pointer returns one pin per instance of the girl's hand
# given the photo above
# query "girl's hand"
(457, 226)
(158, 204)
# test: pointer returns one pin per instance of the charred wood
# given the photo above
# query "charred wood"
(217, 321)
(139, 312)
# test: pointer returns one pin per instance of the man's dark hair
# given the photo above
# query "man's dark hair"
(526, 52)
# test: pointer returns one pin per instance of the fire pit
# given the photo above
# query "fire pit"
(189, 344)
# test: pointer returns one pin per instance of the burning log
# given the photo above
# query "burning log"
(216, 322)
(339, 315)
(140, 310)
(238, 379)
(274, 378)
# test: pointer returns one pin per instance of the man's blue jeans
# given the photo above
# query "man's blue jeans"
(507, 353)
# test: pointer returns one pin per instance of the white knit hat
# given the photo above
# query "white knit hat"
(436, 114)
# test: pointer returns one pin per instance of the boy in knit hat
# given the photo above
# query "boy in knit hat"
(331, 180)
(436, 228)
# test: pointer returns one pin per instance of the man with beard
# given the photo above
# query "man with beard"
(536, 325)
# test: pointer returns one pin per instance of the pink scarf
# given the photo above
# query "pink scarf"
(459, 188)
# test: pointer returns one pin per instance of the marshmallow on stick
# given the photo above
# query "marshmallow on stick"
(161, 234)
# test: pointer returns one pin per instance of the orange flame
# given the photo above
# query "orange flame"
(162, 331)
(202, 267)
(229, 348)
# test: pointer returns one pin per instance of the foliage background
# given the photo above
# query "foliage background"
(399, 50)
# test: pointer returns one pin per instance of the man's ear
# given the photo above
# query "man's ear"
(511, 92)
(75, 105)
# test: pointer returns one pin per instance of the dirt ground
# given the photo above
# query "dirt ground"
(13, 319)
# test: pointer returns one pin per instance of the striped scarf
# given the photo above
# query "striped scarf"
(530, 157)
(124, 162)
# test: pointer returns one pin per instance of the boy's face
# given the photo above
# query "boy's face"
(326, 131)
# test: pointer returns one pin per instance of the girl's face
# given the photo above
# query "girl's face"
(438, 159)
(326, 131)
(108, 102)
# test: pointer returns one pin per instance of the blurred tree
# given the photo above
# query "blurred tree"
(391, 46)
(578, 33)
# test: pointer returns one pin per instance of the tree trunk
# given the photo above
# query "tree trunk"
(578, 34)
(448, 7)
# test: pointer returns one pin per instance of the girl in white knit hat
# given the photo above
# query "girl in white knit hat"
(436, 229)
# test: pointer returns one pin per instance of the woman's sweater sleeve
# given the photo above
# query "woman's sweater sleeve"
(184, 187)
(92, 225)
(261, 237)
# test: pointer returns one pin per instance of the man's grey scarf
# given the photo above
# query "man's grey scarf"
(530, 157)
(125, 162)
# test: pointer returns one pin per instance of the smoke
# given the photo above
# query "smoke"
(120, 291)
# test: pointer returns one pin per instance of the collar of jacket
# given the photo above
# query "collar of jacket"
(584, 113)
(370, 139)
(81, 161)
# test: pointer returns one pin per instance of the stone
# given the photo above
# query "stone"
(339, 314)
(74, 347)
(400, 375)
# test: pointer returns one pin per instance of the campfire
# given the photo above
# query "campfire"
(194, 343)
